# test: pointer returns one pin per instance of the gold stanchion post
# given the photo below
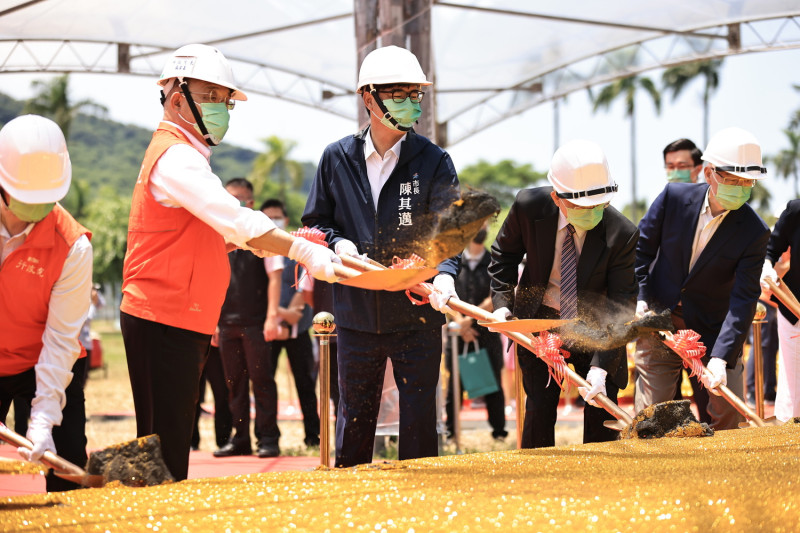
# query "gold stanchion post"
(323, 328)
(519, 393)
(758, 319)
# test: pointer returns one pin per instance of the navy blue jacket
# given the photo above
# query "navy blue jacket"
(720, 293)
(787, 234)
(423, 184)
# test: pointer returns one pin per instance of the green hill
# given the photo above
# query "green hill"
(104, 152)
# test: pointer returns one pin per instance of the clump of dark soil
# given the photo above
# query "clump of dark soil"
(666, 419)
(136, 463)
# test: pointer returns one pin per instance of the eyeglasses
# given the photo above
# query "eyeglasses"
(399, 95)
(741, 182)
(216, 96)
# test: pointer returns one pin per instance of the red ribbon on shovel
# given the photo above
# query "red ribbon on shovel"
(686, 343)
(547, 346)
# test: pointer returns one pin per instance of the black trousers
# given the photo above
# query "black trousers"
(416, 356)
(164, 365)
(496, 401)
(301, 360)
(70, 436)
(215, 377)
(247, 358)
(541, 405)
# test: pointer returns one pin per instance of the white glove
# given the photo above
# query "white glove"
(641, 309)
(597, 379)
(767, 272)
(444, 288)
(41, 435)
(719, 375)
(345, 247)
(500, 315)
(317, 259)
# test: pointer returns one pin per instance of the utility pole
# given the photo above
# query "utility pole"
(404, 23)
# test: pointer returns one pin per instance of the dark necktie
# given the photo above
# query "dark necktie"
(569, 276)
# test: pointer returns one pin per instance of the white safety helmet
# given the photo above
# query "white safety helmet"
(579, 173)
(199, 62)
(390, 64)
(735, 151)
(34, 162)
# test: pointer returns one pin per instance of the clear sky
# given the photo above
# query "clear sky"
(755, 93)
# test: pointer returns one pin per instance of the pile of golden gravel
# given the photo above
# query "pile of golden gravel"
(739, 480)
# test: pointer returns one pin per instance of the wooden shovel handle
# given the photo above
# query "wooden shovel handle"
(477, 313)
(785, 295)
(49, 458)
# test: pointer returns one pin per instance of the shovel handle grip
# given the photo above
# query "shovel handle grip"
(477, 313)
(49, 458)
(785, 295)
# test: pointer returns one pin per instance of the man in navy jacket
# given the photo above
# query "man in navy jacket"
(378, 193)
(700, 255)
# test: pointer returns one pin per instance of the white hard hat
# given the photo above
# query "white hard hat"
(735, 151)
(579, 173)
(199, 62)
(390, 64)
(34, 162)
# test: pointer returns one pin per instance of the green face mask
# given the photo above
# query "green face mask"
(215, 118)
(679, 176)
(732, 197)
(585, 219)
(405, 113)
(29, 212)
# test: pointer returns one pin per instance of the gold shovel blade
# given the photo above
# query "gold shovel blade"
(617, 425)
(391, 279)
(85, 480)
(525, 325)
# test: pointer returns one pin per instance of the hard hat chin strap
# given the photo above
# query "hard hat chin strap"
(388, 116)
(184, 86)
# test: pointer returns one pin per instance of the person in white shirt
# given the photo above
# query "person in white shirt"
(45, 285)
(176, 271)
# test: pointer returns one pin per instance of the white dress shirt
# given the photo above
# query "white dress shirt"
(380, 168)
(182, 177)
(552, 295)
(68, 308)
(707, 225)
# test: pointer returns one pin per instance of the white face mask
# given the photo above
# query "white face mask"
(280, 223)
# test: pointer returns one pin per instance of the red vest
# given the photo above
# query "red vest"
(27, 277)
(176, 270)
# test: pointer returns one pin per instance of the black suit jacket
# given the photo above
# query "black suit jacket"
(606, 281)
(786, 234)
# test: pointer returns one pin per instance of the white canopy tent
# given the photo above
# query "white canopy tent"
(491, 59)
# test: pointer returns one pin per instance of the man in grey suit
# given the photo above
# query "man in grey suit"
(580, 264)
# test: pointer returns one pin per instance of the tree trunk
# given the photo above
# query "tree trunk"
(634, 207)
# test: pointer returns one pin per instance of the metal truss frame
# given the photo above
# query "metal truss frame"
(664, 48)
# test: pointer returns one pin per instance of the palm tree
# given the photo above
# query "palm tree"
(275, 162)
(787, 162)
(627, 87)
(52, 100)
(677, 78)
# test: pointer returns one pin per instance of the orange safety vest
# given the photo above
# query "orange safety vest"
(27, 277)
(176, 270)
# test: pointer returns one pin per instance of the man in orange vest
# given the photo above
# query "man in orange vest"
(176, 271)
(45, 288)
